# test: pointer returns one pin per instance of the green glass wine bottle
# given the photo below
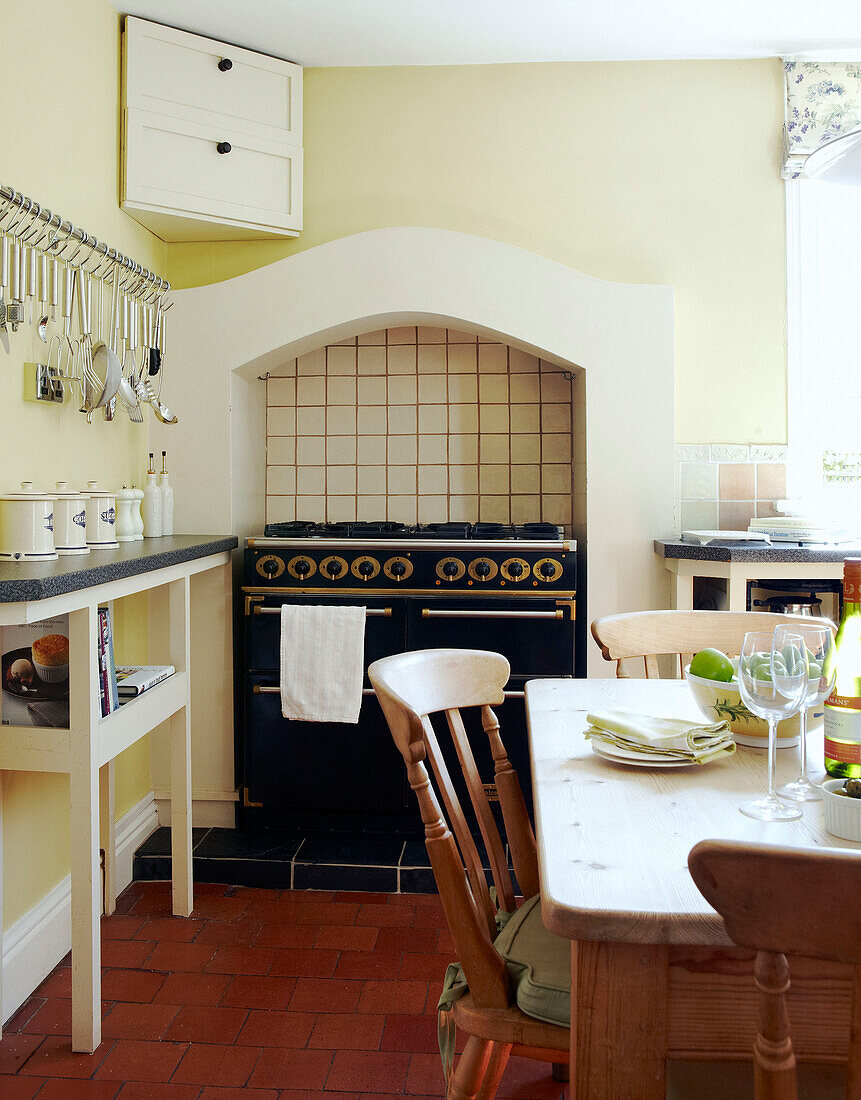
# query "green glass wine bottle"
(843, 706)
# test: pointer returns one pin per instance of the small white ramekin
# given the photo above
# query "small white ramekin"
(842, 814)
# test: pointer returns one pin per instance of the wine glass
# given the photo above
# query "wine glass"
(772, 682)
(821, 672)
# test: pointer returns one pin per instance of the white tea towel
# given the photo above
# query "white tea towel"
(322, 662)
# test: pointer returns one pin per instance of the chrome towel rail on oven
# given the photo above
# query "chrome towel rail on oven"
(433, 613)
(386, 612)
(259, 689)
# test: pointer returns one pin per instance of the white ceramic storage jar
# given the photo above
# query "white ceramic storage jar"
(27, 525)
(101, 518)
(70, 521)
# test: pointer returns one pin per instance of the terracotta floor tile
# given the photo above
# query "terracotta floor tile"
(388, 1096)
(319, 995)
(207, 1064)
(125, 953)
(284, 933)
(364, 964)
(53, 1018)
(425, 1075)
(236, 933)
(421, 965)
(241, 960)
(137, 1021)
(278, 1067)
(135, 1090)
(192, 989)
(26, 1012)
(304, 962)
(16, 1049)
(528, 1079)
(305, 1094)
(189, 957)
(254, 991)
(399, 996)
(327, 913)
(402, 939)
(277, 1029)
(215, 1093)
(130, 985)
(361, 897)
(120, 927)
(428, 916)
(384, 1072)
(140, 1060)
(347, 937)
(169, 929)
(19, 1088)
(432, 901)
(58, 983)
(413, 1034)
(55, 1058)
(387, 916)
(218, 908)
(445, 944)
(204, 1024)
(343, 1031)
(78, 1090)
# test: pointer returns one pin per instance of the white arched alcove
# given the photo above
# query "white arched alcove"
(618, 338)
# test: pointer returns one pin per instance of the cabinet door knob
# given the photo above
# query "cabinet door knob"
(224, 147)
(225, 64)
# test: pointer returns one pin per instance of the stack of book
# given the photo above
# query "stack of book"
(119, 683)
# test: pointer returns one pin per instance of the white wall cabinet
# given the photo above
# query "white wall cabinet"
(212, 137)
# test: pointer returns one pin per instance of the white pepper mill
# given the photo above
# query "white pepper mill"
(151, 511)
(137, 518)
(126, 501)
(166, 497)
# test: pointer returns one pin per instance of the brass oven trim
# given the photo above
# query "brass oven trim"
(567, 597)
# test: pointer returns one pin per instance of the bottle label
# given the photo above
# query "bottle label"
(843, 702)
(842, 722)
(840, 750)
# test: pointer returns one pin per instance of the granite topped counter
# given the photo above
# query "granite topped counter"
(777, 553)
(25, 581)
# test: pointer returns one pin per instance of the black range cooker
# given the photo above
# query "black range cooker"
(483, 586)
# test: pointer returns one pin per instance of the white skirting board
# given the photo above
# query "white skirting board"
(36, 942)
(209, 808)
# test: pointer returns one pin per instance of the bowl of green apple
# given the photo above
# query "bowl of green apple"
(713, 680)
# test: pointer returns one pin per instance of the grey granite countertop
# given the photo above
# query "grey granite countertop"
(675, 548)
(21, 581)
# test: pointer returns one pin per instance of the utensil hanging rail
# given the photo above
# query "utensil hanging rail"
(60, 232)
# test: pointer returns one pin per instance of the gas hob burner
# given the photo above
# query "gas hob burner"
(450, 530)
(538, 531)
(385, 529)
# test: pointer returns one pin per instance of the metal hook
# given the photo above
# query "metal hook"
(14, 225)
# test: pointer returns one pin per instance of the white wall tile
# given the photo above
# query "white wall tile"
(281, 391)
(432, 359)
(699, 481)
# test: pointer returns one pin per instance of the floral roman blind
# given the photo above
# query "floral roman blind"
(823, 101)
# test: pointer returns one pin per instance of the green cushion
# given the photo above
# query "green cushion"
(539, 962)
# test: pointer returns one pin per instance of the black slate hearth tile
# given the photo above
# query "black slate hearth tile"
(417, 880)
(271, 874)
(369, 849)
(331, 876)
(229, 844)
(158, 843)
(415, 854)
(151, 868)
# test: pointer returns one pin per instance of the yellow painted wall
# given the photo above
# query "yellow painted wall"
(60, 65)
(656, 172)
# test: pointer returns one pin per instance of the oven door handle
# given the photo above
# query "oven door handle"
(434, 613)
(259, 689)
(386, 612)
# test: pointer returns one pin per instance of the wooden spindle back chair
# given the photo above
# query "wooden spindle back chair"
(648, 634)
(779, 902)
(411, 687)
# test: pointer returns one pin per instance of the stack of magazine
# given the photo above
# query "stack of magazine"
(119, 683)
(133, 680)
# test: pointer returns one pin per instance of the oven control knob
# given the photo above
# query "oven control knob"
(301, 567)
(450, 569)
(482, 569)
(270, 566)
(333, 566)
(547, 569)
(398, 569)
(514, 569)
(365, 568)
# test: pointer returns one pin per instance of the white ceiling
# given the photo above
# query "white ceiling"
(460, 32)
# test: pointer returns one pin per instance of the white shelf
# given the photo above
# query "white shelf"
(139, 716)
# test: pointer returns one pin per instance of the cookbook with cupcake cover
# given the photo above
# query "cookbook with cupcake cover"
(34, 664)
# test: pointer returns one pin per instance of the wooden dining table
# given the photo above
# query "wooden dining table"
(654, 974)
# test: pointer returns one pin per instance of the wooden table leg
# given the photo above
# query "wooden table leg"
(180, 754)
(84, 798)
(619, 1021)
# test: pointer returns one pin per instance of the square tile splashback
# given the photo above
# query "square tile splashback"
(419, 425)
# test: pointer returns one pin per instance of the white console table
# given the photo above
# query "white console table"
(77, 586)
